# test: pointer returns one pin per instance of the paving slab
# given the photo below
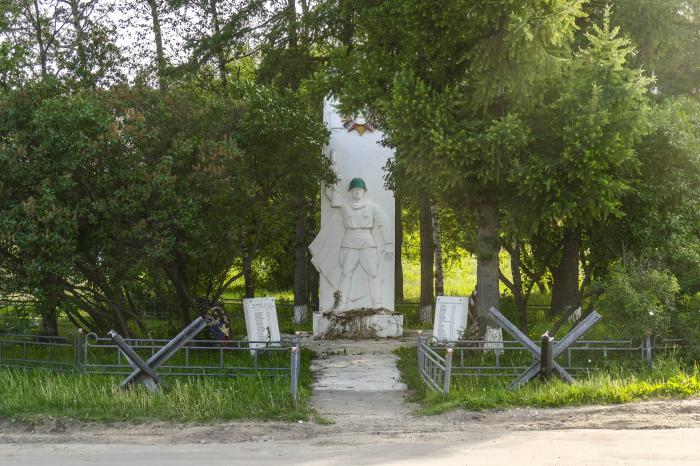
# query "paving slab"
(373, 372)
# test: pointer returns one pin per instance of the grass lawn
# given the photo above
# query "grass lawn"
(29, 395)
(670, 378)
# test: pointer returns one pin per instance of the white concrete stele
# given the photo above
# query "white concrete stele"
(355, 154)
(261, 321)
(451, 313)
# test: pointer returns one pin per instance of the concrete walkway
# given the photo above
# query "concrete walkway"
(358, 378)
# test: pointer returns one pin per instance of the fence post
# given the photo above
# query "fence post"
(546, 356)
(419, 343)
(297, 339)
(79, 351)
(448, 372)
(298, 367)
(647, 352)
(294, 374)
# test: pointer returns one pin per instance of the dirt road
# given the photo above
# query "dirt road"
(593, 447)
(663, 433)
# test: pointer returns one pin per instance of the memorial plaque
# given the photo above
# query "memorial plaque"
(450, 317)
(261, 321)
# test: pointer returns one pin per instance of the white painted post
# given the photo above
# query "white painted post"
(419, 343)
(448, 372)
(79, 351)
(294, 373)
(647, 344)
(297, 339)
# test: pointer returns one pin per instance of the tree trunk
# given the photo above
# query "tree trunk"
(83, 67)
(488, 247)
(38, 30)
(218, 49)
(565, 292)
(185, 301)
(49, 318)
(398, 241)
(293, 34)
(300, 292)
(426, 260)
(518, 286)
(437, 243)
(48, 309)
(247, 269)
(160, 55)
(347, 28)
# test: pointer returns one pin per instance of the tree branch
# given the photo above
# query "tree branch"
(505, 281)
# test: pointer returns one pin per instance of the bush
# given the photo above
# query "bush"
(638, 298)
(686, 322)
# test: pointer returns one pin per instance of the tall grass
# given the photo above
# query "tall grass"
(28, 395)
(670, 378)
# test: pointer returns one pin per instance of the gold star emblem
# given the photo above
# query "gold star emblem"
(359, 123)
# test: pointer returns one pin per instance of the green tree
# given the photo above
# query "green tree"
(665, 36)
(218, 33)
(290, 57)
(660, 211)
(661, 207)
(112, 197)
(68, 187)
(14, 53)
(638, 299)
(89, 56)
(448, 80)
(582, 156)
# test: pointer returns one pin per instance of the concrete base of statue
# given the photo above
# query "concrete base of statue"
(357, 324)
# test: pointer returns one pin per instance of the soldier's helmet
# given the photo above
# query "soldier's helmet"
(357, 183)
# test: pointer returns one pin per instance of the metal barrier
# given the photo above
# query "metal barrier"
(155, 309)
(40, 352)
(474, 358)
(510, 359)
(91, 354)
(434, 369)
(196, 358)
(20, 315)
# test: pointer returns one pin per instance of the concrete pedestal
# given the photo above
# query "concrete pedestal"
(358, 323)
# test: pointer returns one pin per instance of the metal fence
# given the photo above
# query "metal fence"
(91, 354)
(33, 351)
(234, 307)
(18, 315)
(434, 369)
(440, 362)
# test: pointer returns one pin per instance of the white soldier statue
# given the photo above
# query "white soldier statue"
(365, 239)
